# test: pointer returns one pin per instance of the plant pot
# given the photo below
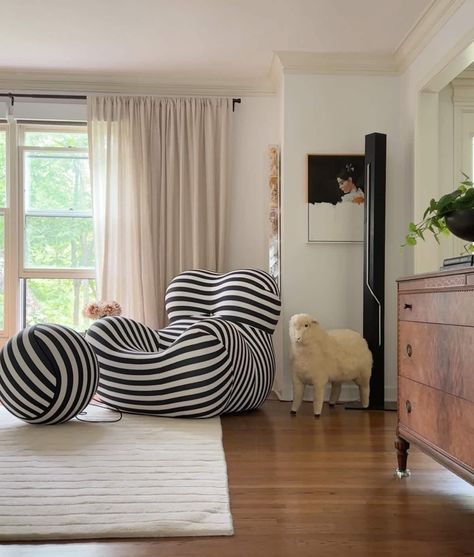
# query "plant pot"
(461, 224)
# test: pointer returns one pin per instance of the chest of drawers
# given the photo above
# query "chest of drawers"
(436, 369)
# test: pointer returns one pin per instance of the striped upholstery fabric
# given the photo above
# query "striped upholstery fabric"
(247, 296)
(48, 374)
(215, 357)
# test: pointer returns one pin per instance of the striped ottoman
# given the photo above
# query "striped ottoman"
(48, 374)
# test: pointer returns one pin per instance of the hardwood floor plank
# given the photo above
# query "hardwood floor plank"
(306, 487)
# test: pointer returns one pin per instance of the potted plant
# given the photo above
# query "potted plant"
(453, 212)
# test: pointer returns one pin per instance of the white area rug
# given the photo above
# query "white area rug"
(140, 477)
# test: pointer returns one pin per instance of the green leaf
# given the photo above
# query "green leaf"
(434, 215)
(446, 203)
(467, 180)
(426, 213)
(466, 201)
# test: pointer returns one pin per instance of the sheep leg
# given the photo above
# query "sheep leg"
(364, 390)
(335, 392)
(298, 391)
(318, 399)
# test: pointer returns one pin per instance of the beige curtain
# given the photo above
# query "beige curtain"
(159, 179)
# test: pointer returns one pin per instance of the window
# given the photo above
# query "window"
(57, 248)
(50, 257)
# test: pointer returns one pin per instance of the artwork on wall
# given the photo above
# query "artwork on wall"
(274, 214)
(336, 198)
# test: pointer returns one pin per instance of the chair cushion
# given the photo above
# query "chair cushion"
(247, 296)
(48, 374)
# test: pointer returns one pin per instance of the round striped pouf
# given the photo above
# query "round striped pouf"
(48, 374)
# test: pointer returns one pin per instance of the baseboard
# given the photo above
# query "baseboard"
(348, 393)
(273, 396)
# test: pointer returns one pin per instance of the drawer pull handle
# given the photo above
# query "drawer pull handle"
(408, 306)
(409, 350)
(408, 406)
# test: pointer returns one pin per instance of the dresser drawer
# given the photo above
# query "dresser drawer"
(441, 356)
(451, 308)
(445, 280)
(441, 419)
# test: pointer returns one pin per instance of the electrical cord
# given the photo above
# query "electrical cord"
(94, 421)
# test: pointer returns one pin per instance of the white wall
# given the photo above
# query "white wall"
(448, 53)
(448, 175)
(446, 139)
(332, 114)
(255, 127)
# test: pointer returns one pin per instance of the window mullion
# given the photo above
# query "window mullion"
(12, 241)
(57, 273)
(62, 150)
(54, 213)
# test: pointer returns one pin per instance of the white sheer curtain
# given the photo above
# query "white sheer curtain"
(159, 179)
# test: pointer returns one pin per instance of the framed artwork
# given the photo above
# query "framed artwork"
(336, 198)
(274, 211)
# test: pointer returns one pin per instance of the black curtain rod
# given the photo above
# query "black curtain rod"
(12, 96)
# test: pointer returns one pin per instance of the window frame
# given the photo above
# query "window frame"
(45, 272)
(15, 272)
(5, 212)
(472, 155)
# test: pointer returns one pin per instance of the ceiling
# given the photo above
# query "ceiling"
(195, 39)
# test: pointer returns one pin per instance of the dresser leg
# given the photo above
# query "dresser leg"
(402, 447)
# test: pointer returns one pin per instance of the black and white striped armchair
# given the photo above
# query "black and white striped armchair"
(215, 357)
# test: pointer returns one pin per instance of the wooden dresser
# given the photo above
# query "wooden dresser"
(436, 369)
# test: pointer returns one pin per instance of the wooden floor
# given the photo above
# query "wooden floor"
(306, 487)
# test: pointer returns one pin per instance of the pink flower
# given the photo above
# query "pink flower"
(92, 311)
(99, 309)
(110, 308)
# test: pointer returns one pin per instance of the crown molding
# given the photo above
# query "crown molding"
(429, 23)
(463, 91)
(453, 63)
(468, 73)
(275, 75)
(128, 84)
(349, 63)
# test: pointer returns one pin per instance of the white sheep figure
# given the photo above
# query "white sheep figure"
(319, 357)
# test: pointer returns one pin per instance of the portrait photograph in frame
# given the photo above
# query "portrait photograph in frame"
(336, 198)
